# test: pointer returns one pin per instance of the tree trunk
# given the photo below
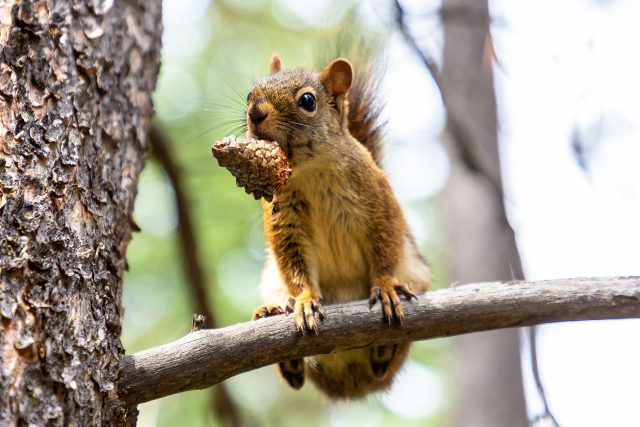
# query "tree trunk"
(481, 241)
(75, 103)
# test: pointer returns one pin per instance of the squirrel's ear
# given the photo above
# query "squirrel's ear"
(337, 77)
(275, 65)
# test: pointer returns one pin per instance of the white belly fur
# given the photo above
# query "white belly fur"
(412, 270)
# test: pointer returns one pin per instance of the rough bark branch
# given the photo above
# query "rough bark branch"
(206, 357)
(222, 404)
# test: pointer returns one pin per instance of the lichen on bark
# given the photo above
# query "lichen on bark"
(75, 103)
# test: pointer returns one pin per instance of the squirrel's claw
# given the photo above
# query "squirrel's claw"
(305, 311)
(266, 311)
(386, 290)
(406, 292)
(291, 303)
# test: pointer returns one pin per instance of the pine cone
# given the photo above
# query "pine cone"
(259, 166)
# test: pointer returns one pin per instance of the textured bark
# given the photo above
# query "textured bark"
(481, 242)
(206, 357)
(75, 103)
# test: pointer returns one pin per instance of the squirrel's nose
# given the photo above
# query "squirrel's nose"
(256, 115)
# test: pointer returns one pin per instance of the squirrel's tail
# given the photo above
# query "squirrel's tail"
(365, 106)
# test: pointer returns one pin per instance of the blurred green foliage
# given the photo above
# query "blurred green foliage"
(211, 56)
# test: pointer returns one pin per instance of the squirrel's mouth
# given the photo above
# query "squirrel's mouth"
(255, 132)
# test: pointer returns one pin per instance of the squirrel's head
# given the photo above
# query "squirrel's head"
(300, 109)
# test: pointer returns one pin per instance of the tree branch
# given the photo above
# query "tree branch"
(429, 63)
(206, 357)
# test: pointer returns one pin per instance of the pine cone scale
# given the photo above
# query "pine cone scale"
(259, 166)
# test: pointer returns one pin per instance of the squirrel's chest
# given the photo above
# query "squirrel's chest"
(336, 223)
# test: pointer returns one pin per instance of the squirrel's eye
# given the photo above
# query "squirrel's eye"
(307, 101)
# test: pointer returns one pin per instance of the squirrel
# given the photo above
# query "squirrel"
(335, 232)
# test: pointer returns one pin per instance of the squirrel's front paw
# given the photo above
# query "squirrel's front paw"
(385, 290)
(306, 308)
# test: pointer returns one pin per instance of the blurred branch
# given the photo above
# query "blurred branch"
(546, 415)
(206, 357)
(584, 142)
(461, 137)
(411, 41)
(223, 405)
(161, 151)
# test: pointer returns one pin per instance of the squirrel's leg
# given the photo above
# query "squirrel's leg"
(386, 359)
(291, 244)
(388, 237)
(409, 267)
(285, 229)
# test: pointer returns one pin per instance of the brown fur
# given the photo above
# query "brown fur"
(338, 232)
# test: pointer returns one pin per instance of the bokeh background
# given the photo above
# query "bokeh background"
(569, 109)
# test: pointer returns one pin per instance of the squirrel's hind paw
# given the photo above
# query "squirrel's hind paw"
(380, 358)
(293, 372)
